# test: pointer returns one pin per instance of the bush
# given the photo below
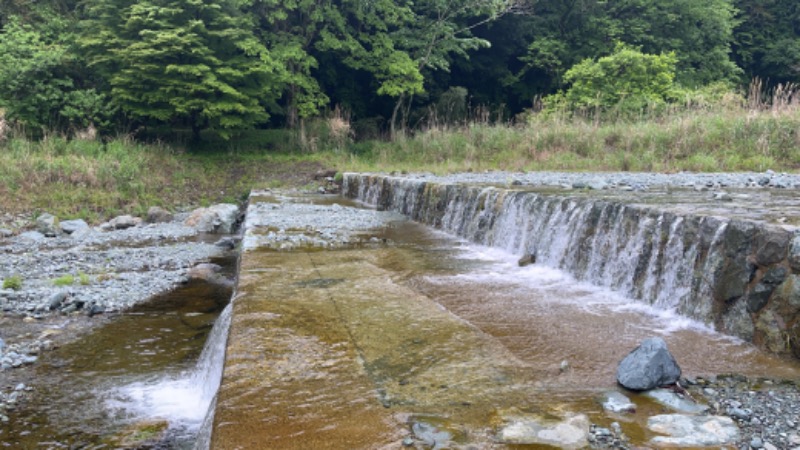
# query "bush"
(627, 81)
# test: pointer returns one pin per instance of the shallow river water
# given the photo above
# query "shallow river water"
(125, 382)
(456, 337)
(363, 346)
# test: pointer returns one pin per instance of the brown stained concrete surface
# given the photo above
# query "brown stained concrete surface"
(291, 378)
(351, 330)
(327, 351)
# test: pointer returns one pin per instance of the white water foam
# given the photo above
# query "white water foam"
(501, 268)
(183, 400)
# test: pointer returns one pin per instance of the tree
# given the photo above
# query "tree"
(627, 79)
(700, 34)
(42, 79)
(439, 31)
(767, 40)
(194, 62)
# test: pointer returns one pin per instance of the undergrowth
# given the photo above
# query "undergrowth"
(95, 180)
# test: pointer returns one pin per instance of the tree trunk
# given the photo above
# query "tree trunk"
(393, 124)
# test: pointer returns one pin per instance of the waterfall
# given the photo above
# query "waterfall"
(208, 372)
(185, 401)
(705, 267)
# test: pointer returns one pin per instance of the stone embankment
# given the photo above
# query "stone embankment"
(54, 277)
(729, 258)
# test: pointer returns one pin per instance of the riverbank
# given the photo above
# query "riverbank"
(60, 284)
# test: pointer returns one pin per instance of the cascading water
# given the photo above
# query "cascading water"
(183, 401)
(713, 269)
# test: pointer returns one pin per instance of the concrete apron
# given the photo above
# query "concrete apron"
(326, 351)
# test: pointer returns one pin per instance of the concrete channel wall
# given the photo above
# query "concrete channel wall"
(741, 276)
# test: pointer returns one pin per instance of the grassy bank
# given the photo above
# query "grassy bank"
(94, 180)
(731, 140)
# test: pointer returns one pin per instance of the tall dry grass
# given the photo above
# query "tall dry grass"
(707, 132)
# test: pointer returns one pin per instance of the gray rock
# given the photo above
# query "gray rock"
(31, 236)
(598, 185)
(157, 214)
(740, 413)
(226, 242)
(756, 442)
(571, 433)
(771, 246)
(675, 402)
(5, 232)
(47, 224)
(616, 402)
(722, 197)
(124, 222)
(71, 226)
(759, 296)
(204, 271)
(693, 431)
(219, 219)
(56, 300)
(648, 366)
(430, 435)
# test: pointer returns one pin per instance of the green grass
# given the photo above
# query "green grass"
(95, 180)
(727, 140)
(13, 282)
(64, 280)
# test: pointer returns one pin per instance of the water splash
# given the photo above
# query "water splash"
(184, 400)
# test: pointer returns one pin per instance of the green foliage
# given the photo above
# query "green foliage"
(41, 78)
(194, 62)
(84, 279)
(627, 80)
(767, 44)
(13, 282)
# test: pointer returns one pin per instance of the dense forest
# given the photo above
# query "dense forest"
(228, 65)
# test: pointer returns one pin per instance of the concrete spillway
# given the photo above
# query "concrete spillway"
(726, 266)
(356, 328)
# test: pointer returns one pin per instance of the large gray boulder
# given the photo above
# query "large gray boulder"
(220, 219)
(72, 226)
(648, 366)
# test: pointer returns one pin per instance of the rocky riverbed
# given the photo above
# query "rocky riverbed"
(72, 279)
(62, 278)
(763, 413)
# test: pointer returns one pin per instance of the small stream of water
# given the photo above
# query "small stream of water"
(142, 378)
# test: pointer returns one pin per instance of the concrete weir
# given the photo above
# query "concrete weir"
(727, 265)
(357, 328)
(318, 349)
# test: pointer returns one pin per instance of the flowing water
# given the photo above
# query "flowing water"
(425, 335)
(360, 347)
(143, 377)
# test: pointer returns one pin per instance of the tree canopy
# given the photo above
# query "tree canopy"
(229, 65)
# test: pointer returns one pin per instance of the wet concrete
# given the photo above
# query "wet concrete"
(401, 333)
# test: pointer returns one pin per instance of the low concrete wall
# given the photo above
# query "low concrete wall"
(741, 276)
